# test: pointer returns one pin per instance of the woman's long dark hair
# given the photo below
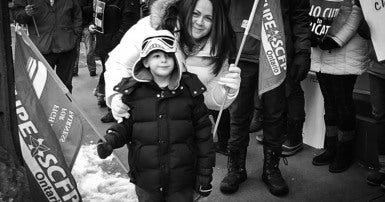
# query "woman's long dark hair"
(221, 35)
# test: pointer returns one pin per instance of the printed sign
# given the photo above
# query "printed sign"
(374, 12)
(322, 13)
(99, 16)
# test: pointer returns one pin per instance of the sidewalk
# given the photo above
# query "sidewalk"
(306, 182)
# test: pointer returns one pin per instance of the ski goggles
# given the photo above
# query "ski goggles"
(163, 41)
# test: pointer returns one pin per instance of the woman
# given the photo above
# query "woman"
(337, 61)
(205, 37)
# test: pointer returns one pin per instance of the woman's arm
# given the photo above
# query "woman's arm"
(216, 90)
(349, 29)
(124, 55)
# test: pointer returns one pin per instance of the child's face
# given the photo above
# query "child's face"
(160, 63)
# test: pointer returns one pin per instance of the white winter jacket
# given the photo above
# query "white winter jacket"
(124, 56)
(352, 57)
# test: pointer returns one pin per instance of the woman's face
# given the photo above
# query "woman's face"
(202, 19)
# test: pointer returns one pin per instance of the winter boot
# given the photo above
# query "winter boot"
(108, 117)
(376, 178)
(345, 155)
(331, 142)
(236, 174)
(293, 143)
(271, 175)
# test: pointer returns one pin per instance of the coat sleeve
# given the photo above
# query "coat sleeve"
(300, 25)
(215, 93)
(119, 134)
(130, 15)
(123, 57)
(349, 29)
(77, 15)
(203, 136)
(19, 13)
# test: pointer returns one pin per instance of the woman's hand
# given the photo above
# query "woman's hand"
(92, 28)
(232, 79)
(30, 10)
(118, 108)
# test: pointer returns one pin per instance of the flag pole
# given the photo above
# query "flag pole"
(34, 21)
(68, 95)
(249, 22)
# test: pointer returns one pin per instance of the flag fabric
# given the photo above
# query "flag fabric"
(38, 117)
(267, 26)
(374, 13)
(65, 120)
(322, 14)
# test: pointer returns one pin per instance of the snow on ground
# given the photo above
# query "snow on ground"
(99, 180)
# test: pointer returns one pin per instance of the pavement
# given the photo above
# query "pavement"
(306, 182)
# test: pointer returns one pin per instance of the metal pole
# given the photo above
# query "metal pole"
(249, 22)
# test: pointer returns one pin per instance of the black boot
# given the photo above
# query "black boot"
(236, 174)
(331, 142)
(328, 155)
(344, 157)
(271, 175)
(293, 144)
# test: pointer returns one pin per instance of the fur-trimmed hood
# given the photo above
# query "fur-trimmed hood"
(158, 10)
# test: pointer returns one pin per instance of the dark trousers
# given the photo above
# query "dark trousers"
(377, 99)
(241, 110)
(63, 63)
(101, 84)
(337, 91)
(295, 99)
(185, 195)
(223, 131)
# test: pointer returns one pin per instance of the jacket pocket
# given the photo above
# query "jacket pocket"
(65, 39)
(133, 155)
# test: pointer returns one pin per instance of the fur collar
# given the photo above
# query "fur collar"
(158, 10)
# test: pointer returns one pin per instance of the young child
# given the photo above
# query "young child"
(168, 134)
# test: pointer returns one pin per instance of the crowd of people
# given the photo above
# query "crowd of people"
(167, 71)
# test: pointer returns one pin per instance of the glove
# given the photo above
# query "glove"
(92, 28)
(300, 67)
(232, 79)
(203, 185)
(30, 10)
(328, 44)
(104, 149)
(118, 108)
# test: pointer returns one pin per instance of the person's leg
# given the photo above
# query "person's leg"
(223, 131)
(343, 88)
(377, 99)
(295, 109)
(52, 59)
(330, 118)
(240, 115)
(89, 43)
(64, 68)
(274, 103)
(76, 63)
(256, 121)
(100, 88)
(107, 118)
